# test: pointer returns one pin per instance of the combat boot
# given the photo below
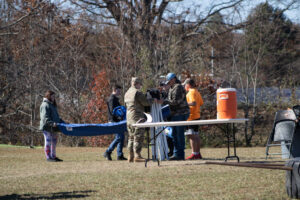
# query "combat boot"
(139, 158)
(130, 157)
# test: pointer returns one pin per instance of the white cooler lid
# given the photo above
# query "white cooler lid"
(226, 90)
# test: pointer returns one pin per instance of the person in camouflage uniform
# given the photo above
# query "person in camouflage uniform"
(135, 102)
(179, 112)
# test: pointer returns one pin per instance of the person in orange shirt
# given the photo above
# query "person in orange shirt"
(194, 100)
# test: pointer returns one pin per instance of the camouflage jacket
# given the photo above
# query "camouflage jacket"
(135, 102)
(177, 100)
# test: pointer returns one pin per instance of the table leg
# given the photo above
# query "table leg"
(152, 144)
(228, 143)
(148, 146)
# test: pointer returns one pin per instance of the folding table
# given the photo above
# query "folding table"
(196, 122)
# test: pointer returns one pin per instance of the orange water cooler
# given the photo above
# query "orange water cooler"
(226, 103)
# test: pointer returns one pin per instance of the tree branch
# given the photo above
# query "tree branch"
(21, 18)
(161, 10)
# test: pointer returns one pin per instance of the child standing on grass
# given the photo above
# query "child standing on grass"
(48, 124)
(194, 100)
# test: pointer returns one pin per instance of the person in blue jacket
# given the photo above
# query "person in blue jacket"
(48, 124)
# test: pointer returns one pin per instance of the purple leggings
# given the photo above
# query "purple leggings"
(50, 144)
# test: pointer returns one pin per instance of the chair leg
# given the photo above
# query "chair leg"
(267, 152)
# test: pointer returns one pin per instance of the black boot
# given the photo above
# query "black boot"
(58, 159)
(107, 155)
(121, 158)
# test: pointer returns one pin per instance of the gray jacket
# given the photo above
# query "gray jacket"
(49, 116)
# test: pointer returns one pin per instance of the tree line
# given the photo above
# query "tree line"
(79, 48)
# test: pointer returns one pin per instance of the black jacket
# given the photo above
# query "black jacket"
(112, 102)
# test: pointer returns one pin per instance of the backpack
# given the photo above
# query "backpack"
(119, 112)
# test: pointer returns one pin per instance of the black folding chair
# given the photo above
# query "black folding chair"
(283, 131)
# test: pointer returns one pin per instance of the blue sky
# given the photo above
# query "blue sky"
(293, 14)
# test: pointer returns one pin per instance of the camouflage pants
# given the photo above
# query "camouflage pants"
(135, 139)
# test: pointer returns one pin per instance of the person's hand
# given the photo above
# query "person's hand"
(54, 125)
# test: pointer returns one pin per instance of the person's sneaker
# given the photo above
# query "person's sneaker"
(121, 158)
(199, 156)
(51, 160)
(174, 158)
(194, 157)
(58, 159)
(191, 157)
(107, 155)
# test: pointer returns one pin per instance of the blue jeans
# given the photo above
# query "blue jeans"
(178, 137)
(117, 142)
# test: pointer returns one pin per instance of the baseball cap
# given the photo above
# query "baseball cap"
(169, 77)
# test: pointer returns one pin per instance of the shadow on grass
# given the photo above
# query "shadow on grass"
(188, 162)
(213, 159)
(57, 195)
(202, 162)
(272, 159)
(266, 162)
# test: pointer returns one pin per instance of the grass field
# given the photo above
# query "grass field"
(85, 174)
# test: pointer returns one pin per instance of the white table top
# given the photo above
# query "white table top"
(194, 122)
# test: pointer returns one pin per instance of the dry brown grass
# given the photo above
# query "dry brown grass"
(85, 174)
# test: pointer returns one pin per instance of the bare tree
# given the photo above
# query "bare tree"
(252, 53)
(140, 21)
